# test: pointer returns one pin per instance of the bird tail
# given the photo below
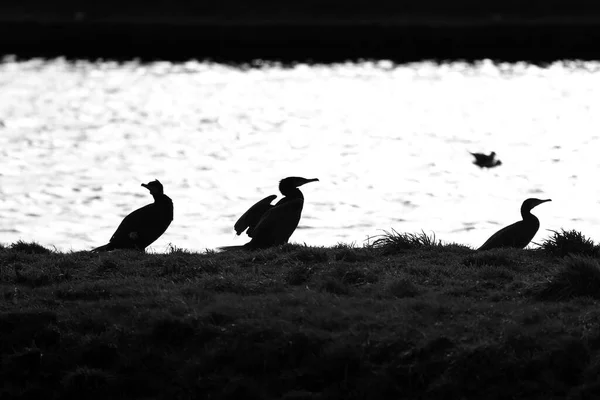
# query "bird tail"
(229, 248)
(106, 247)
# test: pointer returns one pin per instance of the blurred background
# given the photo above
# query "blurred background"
(310, 30)
(219, 101)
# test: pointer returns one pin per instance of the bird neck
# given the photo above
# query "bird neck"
(292, 193)
(526, 214)
(160, 198)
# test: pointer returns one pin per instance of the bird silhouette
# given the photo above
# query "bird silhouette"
(143, 226)
(272, 225)
(486, 160)
(519, 234)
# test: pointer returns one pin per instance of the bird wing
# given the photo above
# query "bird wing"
(480, 158)
(277, 224)
(516, 235)
(131, 225)
(251, 217)
(143, 226)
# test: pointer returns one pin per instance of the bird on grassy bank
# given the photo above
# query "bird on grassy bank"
(519, 234)
(272, 225)
(486, 160)
(144, 225)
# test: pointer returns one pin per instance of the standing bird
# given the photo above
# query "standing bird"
(271, 225)
(144, 225)
(519, 234)
(486, 161)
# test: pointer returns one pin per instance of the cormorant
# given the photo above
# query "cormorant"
(272, 225)
(486, 161)
(144, 225)
(520, 233)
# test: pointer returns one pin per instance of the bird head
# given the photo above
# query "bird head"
(295, 181)
(155, 187)
(292, 182)
(530, 203)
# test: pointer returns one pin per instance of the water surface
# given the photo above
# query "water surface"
(388, 142)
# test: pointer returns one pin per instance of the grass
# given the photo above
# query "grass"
(578, 276)
(30, 248)
(392, 242)
(570, 242)
(406, 317)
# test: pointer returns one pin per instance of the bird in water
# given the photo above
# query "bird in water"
(519, 234)
(486, 160)
(144, 225)
(272, 225)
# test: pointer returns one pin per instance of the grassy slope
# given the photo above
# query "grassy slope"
(298, 323)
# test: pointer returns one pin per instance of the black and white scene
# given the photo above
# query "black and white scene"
(321, 200)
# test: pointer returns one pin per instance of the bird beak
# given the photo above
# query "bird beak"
(543, 201)
(309, 180)
(146, 186)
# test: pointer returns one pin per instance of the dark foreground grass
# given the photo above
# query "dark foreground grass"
(430, 322)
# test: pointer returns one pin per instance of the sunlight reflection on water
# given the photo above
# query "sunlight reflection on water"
(388, 142)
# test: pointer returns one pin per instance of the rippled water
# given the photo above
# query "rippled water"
(388, 142)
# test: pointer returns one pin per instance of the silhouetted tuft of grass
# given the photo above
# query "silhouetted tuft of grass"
(172, 249)
(579, 276)
(29, 248)
(393, 242)
(569, 242)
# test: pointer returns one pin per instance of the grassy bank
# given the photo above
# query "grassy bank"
(407, 318)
